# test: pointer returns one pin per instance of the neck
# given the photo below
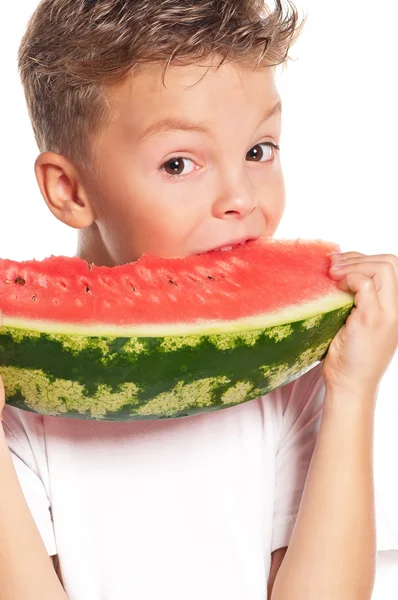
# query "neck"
(92, 247)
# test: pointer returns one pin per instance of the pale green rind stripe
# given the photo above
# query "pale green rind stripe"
(60, 396)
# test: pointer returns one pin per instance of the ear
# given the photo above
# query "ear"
(62, 189)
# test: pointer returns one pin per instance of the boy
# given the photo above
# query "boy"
(202, 507)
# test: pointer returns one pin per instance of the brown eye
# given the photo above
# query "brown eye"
(257, 154)
(176, 167)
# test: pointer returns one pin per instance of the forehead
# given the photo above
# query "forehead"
(196, 92)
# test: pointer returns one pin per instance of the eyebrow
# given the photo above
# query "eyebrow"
(170, 124)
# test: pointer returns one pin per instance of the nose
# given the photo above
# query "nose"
(236, 198)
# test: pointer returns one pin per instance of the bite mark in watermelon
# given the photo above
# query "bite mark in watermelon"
(162, 338)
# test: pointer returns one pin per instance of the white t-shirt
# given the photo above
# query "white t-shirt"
(180, 509)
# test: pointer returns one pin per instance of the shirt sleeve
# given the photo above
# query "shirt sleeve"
(25, 439)
(300, 408)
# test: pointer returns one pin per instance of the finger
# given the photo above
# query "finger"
(346, 254)
(353, 257)
(385, 281)
(367, 303)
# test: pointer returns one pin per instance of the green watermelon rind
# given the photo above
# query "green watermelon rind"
(121, 378)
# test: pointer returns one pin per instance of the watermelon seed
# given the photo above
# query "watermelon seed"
(33, 298)
(8, 281)
(210, 277)
(20, 281)
(88, 290)
(173, 282)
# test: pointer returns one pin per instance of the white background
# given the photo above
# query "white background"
(339, 153)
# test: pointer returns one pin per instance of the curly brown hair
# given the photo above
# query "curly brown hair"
(73, 50)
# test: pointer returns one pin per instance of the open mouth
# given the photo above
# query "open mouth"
(232, 244)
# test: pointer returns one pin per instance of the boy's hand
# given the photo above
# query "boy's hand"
(363, 348)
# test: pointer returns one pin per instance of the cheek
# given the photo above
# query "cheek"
(271, 192)
(280, 195)
(143, 206)
(159, 221)
(170, 206)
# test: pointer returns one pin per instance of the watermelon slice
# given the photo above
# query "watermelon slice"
(166, 338)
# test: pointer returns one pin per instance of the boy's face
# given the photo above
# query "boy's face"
(174, 192)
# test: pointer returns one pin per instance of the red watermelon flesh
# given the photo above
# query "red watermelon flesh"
(254, 278)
